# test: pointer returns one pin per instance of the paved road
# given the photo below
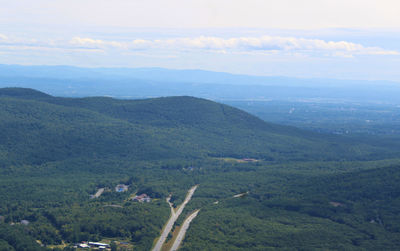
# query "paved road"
(98, 193)
(183, 230)
(174, 216)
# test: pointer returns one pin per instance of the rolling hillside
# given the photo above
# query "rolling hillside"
(36, 128)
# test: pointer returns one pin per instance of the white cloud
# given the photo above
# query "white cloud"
(242, 44)
(95, 43)
(263, 45)
(287, 44)
(3, 38)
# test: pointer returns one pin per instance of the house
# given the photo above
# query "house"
(121, 188)
(25, 222)
(142, 198)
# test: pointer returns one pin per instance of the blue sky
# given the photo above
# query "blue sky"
(311, 38)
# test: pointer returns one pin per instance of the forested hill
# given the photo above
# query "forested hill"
(308, 191)
(36, 128)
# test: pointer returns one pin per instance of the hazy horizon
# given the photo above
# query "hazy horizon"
(312, 39)
(201, 70)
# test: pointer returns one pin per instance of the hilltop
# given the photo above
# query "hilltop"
(37, 127)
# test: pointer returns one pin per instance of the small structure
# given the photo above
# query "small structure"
(98, 245)
(142, 198)
(336, 204)
(190, 168)
(25, 222)
(249, 160)
(121, 188)
(83, 245)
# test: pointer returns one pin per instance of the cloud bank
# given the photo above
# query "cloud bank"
(240, 44)
(250, 45)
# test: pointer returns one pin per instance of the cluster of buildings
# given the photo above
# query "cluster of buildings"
(22, 222)
(123, 188)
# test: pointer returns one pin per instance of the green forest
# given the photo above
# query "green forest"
(302, 190)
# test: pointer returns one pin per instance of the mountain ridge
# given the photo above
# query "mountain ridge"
(69, 81)
(46, 128)
(173, 75)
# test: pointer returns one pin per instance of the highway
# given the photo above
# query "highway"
(183, 230)
(174, 216)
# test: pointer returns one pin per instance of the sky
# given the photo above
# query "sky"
(310, 38)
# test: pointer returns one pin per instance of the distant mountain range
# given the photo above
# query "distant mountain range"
(157, 82)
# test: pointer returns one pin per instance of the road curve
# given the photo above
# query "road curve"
(171, 221)
(183, 230)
